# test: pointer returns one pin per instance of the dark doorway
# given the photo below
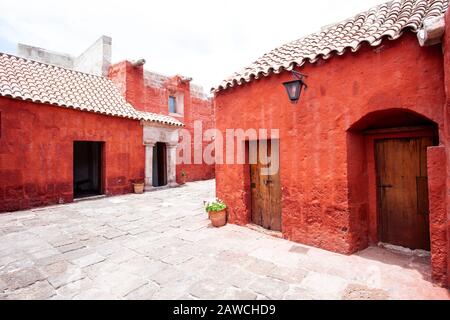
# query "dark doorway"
(265, 191)
(159, 165)
(403, 191)
(87, 168)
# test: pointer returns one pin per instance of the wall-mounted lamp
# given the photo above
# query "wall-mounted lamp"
(294, 88)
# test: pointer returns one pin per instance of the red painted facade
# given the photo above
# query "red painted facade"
(326, 160)
(146, 96)
(36, 142)
(445, 160)
(36, 152)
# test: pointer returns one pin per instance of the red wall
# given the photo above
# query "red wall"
(446, 132)
(36, 148)
(438, 218)
(200, 110)
(142, 96)
(324, 166)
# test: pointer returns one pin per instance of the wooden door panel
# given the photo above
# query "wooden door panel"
(265, 194)
(264, 187)
(402, 189)
(256, 194)
(423, 206)
(275, 192)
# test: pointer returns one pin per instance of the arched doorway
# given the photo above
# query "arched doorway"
(388, 180)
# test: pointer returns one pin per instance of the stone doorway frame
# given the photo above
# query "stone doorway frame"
(152, 134)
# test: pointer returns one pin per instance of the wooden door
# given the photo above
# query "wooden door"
(265, 193)
(403, 192)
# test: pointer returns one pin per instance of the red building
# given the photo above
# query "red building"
(174, 96)
(68, 131)
(364, 155)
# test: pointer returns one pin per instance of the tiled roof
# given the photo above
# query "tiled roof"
(384, 21)
(43, 83)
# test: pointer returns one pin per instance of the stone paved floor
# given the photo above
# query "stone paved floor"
(160, 246)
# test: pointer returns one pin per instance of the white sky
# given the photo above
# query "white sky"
(206, 40)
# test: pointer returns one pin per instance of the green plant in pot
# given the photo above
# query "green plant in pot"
(217, 211)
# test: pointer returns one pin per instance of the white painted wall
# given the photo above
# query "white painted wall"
(94, 60)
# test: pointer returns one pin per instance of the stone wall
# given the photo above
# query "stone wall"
(94, 60)
(45, 56)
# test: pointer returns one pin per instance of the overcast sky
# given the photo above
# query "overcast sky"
(207, 40)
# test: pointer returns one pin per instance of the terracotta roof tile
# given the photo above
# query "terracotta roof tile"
(388, 20)
(43, 83)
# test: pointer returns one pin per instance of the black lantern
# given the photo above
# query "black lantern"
(294, 88)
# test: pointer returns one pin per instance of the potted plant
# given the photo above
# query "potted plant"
(138, 186)
(217, 211)
(183, 177)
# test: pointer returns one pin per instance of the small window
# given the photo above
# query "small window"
(172, 104)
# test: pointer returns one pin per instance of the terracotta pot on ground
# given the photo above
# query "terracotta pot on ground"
(218, 218)
(138, 188)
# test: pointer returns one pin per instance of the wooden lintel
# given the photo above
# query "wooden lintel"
(398, 129)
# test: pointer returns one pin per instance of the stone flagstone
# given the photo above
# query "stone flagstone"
(146, 247)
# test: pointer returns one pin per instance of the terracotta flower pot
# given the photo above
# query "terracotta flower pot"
(218, 218)
(138, 188)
